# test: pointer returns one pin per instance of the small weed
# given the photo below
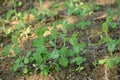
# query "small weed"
(111, 44)
(110, 61)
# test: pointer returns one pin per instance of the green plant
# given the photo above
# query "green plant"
(45, 60)
(40, 2)
(22, 61)
(79, 9)
(45, 14)
(55, 5)
(83, 24)
(17, 52)
(111, 43)
(7, 50)
(26, 31)
(110, 61)
(9, 14)
(35, 13)
(77, 48)
(15, 5)
(78, 61)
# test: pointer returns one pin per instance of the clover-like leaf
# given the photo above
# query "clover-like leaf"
(105, 27)
(54, 54)
(78, 60)
(63, 61)
(7, 50)
(111, 45)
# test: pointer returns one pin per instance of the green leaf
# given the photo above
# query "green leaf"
(79, 47)
(8, 31)
(103, 40)
(111, 13)
(76, 49)
(26, 32)
(95, 7)
(48, 12)
(44, 69)
(25, 70)
(70, 11)
(63, 51)
(74, 40)
(7, 50)
(53, 34)
(76, 0)
(28, 54)
(109, 18)
(71, 53)
(38, 58)
(14, 39)
(111, 45)
(118, 41)
(83, 24)
(8, 15)
(69, 3)
(63, 61)
(113, 24)
(20, 25)
(39, 42)
(16, 49)
(78, 60)
(16, 65)
(40, 1)
(41, 49)
(102, 61)
(79, 68)
(54, 54)
(54, 5)
(110, 63)
(57, 68)
(52, 43)
(20, 3)
(118, 1)
(39, 32)
(26, 60)
(82, 46)
(105, 27)
(35, 13)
